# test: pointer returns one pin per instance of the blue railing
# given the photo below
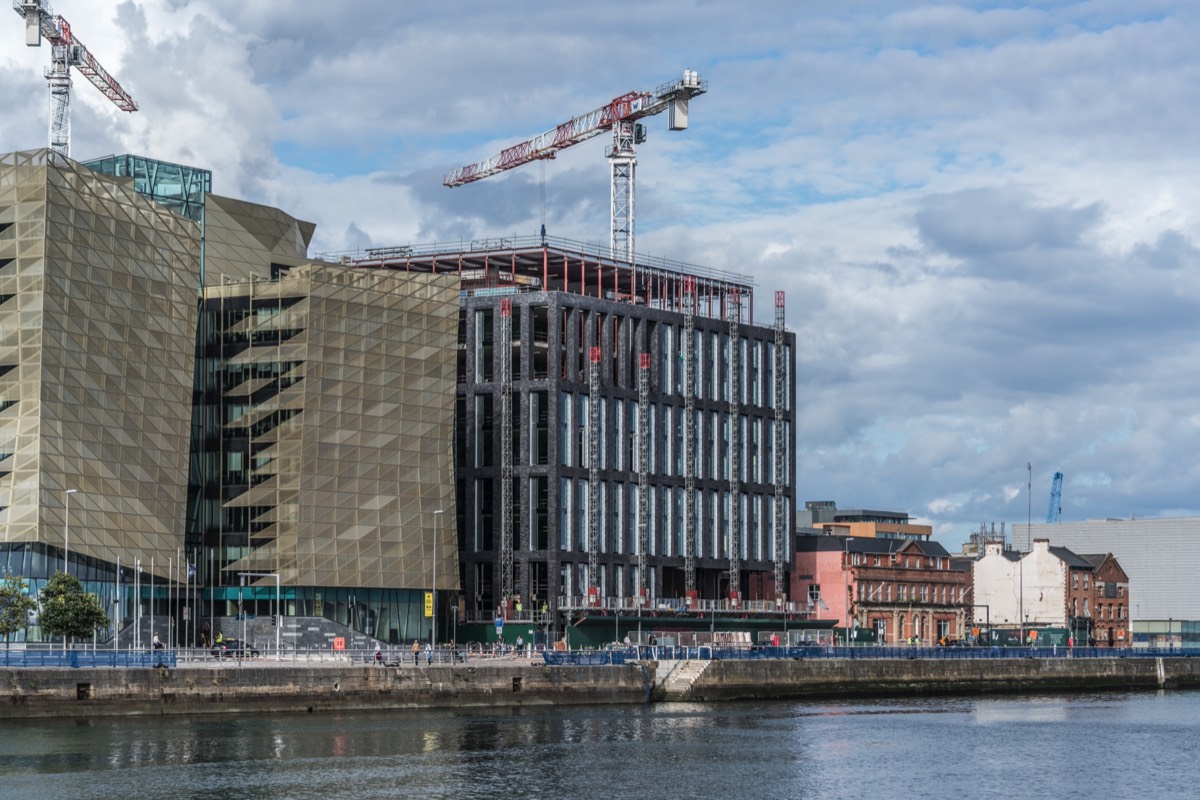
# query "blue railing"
(622, 655)
(87, 658)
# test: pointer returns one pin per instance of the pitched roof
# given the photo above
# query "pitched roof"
(1071, 559)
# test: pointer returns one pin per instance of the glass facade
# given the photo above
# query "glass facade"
(327, 402)
(96, 351)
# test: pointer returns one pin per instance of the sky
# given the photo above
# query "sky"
(984, 215)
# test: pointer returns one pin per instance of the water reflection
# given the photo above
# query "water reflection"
(887, 748)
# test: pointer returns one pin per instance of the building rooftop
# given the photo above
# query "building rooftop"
(535, 264)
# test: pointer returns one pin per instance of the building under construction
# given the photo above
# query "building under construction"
(624, 432)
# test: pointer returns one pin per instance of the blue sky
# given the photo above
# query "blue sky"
(984, 214)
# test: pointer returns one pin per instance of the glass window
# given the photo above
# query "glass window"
(564, 514)
(564, 430)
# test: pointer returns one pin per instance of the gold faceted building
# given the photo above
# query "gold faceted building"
(208, 421)
(328, 395)
(97, 324)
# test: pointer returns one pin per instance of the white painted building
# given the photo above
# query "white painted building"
(1030, 588)
(1160, 556)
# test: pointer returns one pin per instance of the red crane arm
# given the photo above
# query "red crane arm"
(83, 60)
(633, 105)
(58, 31)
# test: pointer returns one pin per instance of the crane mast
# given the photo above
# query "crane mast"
(619, 116)
(1054, 513)
(66, 51)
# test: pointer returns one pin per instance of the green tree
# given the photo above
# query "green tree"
(15, 605)
(67, 610)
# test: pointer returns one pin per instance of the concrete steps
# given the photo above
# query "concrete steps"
(676, 685)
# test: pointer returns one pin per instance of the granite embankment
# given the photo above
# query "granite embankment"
(254, 687)
(817, 678)
(270, 688)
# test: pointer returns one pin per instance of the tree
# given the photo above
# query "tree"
(15, 605)
(68, 611)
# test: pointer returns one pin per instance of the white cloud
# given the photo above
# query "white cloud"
(984, 217)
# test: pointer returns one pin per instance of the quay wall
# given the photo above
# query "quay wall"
(53, 692)
(817, 678)
(49, 692)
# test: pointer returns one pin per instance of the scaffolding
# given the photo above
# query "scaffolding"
(735, 449)
(778, 450)
(689, 434)
(593, 454)
(643, 473)
(535, 264)
(506, 469)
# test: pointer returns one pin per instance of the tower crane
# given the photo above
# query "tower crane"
(1054, 512)
(66, 51)
(620, 116)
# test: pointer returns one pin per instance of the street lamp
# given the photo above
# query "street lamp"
(437, 519)
(1021, 560)
(67, 532)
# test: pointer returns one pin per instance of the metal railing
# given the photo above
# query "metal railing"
(620, 655)
(678, 605)
(77, 659)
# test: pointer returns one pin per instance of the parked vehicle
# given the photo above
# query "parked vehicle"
(231, 648)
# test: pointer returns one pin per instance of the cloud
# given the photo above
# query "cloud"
(984, 216)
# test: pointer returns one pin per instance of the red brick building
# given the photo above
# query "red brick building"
(899, 589)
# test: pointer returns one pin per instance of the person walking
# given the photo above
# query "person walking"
(378, 656)
(416, 651)
(428, 654)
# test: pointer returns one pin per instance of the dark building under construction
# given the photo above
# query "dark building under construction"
(624, 433)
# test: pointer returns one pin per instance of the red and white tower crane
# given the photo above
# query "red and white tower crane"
(619, 116)
(66, 51)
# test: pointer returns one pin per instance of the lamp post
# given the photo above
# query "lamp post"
(437, 519)
(1021, 560)
(67, 532)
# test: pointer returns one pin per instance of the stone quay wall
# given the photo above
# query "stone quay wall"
(268, 688)
(260, 687)
(823, 678)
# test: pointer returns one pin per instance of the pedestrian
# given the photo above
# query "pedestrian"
(428, 654)
(520, 644)
(158, 645)
(416, 651)
(378, 656)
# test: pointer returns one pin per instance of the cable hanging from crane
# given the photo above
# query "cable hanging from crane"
(66, 51)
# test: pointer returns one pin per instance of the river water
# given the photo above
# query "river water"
(1137, 745)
